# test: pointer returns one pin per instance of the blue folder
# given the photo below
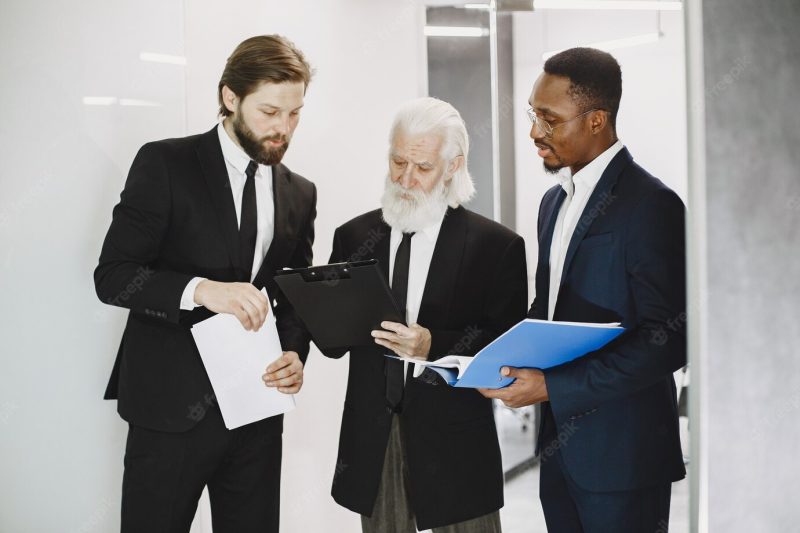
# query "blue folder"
(529, 344)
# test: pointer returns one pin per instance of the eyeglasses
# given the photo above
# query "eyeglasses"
(545, 126)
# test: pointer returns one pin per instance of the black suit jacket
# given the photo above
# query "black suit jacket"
(476, 289)
(176, 220)
(615, 409)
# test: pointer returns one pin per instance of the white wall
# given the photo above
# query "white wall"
(652, 115)
(64, 164)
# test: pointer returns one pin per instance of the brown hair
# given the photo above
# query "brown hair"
(264, 58)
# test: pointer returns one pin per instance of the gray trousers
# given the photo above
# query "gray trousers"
(392, 512)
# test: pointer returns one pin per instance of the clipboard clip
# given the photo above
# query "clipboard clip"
(328, 273)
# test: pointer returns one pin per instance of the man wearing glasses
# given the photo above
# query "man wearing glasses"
(611, 249)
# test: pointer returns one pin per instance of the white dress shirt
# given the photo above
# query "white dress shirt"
(578, 188)
(422, 245)
(236, 161)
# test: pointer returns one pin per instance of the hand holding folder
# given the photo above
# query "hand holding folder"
(529, 344)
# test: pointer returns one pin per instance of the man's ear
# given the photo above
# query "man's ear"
(229, 98)
(599, 121)
(454, 166)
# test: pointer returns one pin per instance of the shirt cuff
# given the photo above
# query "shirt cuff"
(418, 370)
(187, 298)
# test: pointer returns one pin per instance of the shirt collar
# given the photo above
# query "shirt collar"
(589, 175)
(430, 233)
(565, 180)
(232, 152)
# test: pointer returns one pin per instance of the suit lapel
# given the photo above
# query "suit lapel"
(216, 177)
(599, 196)
(283, 219)
(382, 250)
(545, 240)
(442, 273)
(550, 219)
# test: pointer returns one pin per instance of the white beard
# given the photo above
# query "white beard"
(410, 215)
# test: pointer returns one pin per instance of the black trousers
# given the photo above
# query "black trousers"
(165, 474)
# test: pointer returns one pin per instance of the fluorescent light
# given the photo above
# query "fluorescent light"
(111, 100)
(622, 5)
(141, 103)
(99, 100)
(456, 31)
(614, 44)
(476, 6)
(162, 58)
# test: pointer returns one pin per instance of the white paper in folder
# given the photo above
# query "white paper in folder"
(235, 359)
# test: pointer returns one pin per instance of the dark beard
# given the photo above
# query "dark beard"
(254, 147)
(552, 169)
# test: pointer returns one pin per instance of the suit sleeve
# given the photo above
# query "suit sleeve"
(293, 333)
(127, 275)
(655, 346)
(507, 298)
(338, 255)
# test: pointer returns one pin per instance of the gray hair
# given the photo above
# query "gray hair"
(427, 115)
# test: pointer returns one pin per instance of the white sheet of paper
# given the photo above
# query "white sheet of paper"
(235, 359)
(458, 362)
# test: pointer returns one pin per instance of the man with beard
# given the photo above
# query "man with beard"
(202, 225)
(611, 249)
(413, 449)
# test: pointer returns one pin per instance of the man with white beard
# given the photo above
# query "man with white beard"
(415, 453)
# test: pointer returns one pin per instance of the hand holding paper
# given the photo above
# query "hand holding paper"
(286, 373)
(235, 360)
(242, 300)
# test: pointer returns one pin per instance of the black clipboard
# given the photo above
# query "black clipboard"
(340, 303)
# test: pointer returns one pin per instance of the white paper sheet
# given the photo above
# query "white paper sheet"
(456, 362)
(235, 359)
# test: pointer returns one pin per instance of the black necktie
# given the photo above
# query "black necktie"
(248, 227)
(394, 368)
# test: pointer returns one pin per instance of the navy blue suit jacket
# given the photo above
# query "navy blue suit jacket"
(615, 409)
